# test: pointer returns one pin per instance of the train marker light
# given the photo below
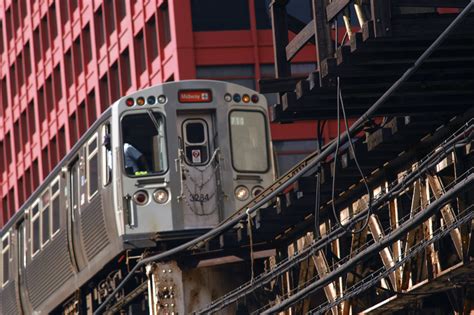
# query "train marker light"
(151, 100)
(228, 97)
(195, 96)
(161, 99)
(140, 197)
(161, 195)
(242, 193)
(255, 98)
(256, 190)
(236, 98)
(245, 98)
(130, 102)
(140, 101)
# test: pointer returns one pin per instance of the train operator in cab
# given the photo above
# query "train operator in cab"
(135, 161)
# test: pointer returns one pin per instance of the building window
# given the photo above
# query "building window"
(262, 15)
(92, 167)
(215, 15)
(99, 28)
(45, 33)
(86, 33)
(165, 25)
(125, 73)
(52, 21)
(77, 55)
(239, 74)
(140, 58)
(151, 39)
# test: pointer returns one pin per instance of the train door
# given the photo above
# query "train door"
(200, 191)
(77, 185)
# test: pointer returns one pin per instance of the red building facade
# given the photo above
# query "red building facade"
(63, 62)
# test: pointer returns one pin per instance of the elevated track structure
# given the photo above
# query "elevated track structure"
(379, 219)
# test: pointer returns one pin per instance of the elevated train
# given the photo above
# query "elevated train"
(205, 149)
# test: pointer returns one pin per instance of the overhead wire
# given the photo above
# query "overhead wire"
(340, 104)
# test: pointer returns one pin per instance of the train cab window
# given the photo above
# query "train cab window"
(196, 144)
(6, 257)
(55, 206)
(35, 229)
(45, 217)
(249, 141)
(144, 144)
(92, 167)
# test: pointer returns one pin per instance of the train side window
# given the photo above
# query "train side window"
(6, 258)
(196, 144)
(92, 167)
(55, 206)
(106, 155)
(45, 217)
(35, 229)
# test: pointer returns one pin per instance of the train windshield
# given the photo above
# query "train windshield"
(249, 141)
(144, 144)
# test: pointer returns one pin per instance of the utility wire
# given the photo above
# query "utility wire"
(340, 104)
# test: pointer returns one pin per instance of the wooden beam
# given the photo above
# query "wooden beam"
(336, 7)
(412, 237)
(447, 213)
(432, 263)
(300, 40)
(321, 264)
(381, 16)
(322, 32)
(386, 255)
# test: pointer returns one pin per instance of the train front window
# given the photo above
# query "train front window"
(249, 141)
(196, 145)
(144, 144)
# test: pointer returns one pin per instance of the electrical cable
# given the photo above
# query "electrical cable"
(340, 104)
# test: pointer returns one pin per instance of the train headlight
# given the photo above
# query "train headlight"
(255, 98)
(228, 97)
(246, 98)
(256, 190)
(140, 197)
(161, 195)
(241, 193)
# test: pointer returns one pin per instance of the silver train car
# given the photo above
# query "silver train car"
(173, 158)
